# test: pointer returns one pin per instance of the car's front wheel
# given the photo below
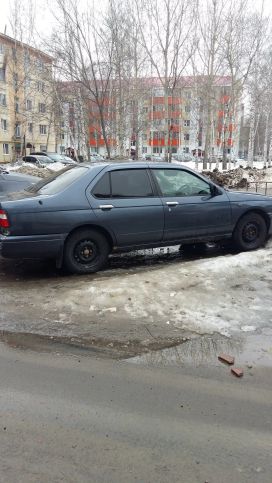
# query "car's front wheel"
(250, 232)
(86, 251)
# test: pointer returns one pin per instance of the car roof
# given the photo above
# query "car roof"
(135, 164)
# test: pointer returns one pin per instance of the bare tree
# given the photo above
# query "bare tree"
(84, 51)
(168, 38)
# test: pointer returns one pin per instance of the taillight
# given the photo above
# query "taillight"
(4, 223)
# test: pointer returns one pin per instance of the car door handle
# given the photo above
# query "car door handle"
(106, 207)
(172, 203)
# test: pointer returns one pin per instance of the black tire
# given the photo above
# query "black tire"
(250, 232)
(86, 251)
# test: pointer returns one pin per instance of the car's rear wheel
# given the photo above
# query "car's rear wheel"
(250, 232)
(86, 251)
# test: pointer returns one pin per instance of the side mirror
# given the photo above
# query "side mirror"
(215, 191)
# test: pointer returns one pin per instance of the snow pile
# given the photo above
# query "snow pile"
(238, 178)
(28, 168)
(225, 294)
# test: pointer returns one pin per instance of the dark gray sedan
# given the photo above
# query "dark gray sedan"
(80, 215)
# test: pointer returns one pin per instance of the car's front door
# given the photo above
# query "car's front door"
(190, 207)
(124, 201)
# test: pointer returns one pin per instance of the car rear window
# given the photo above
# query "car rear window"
(58, 182)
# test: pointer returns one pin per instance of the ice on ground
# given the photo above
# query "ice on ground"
(225, 294)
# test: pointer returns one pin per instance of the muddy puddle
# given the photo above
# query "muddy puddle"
(252, 350)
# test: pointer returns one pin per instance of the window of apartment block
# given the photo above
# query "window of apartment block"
(30, 127)
(15, 81)
(62, 136)
(27, 82)
(17, 130)
(43, 147)
(29, 105)
(4, 124)
(40, 86)
(16, 104)
(144, 150)
(187, 122)
(186, 150)
(159, 92)
(2, 49)
(187, 108)
(42, 107)
(3, 99)
(5, 148)
(2, 74)
(186, 137)
(157, 150)
(43, 129)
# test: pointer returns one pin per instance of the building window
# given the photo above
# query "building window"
(5, 148)
(157, 150)
(3, 99)
(15, 81)
(62, 136)
(144, 150)
(2, 74)
(43, 148)
(186, 137)
(16, 104)
(187, 122)
(30, 127)
(27, 83)
(40, 86)
(41, 107)
(29, 105)
(186, 150)
(43, 129)
(2, 49)
(187, 108)
(17, 130)
(4, 124)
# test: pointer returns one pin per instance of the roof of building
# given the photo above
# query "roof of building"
(37, 52)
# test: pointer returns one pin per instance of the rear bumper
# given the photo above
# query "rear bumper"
(34, 246)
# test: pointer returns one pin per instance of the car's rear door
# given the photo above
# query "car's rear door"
(124, 202)
(190, 208)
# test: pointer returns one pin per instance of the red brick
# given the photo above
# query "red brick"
(237, 372)
(226, 358)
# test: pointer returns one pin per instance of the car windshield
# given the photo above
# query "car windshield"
(58, 182)
(55, 157)
(44, 159)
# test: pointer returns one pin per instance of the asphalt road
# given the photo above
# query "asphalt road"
(80, 419)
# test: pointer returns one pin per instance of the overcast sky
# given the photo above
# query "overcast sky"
(44, 20)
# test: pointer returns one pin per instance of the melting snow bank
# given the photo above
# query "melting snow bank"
(225, 294)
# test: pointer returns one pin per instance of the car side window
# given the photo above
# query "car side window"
(176, 182)
(102, 188)
(124, 183)
(130, 183)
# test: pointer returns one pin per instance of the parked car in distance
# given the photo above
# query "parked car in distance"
(97, 157)
(152, 157)
(11, 182)
(55, 157)
(80, 215)
(38, 160)
(183, 158)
